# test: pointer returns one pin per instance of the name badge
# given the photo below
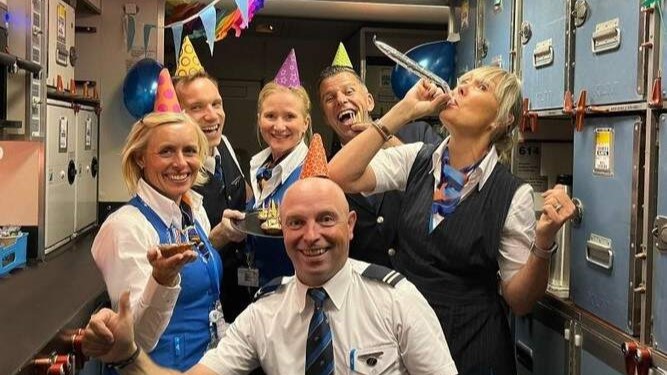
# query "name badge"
(217, 325)
(248, 277)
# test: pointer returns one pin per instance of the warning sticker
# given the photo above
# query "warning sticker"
(603, 157)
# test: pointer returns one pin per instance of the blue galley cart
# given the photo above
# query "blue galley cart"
(660, 252)
(496, 40)
(608, 61)
(540, 345)
(546, 73)
(605, 181)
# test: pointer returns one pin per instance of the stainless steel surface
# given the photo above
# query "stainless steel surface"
(636, 277)
(650, 185)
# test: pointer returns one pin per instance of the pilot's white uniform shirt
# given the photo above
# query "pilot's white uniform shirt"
(377, 329)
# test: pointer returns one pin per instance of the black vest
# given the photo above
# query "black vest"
(218, 196)
(456, 266)
(372, 237)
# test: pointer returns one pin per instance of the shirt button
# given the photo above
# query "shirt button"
(380, 220)
(229, 197)
(391, 252)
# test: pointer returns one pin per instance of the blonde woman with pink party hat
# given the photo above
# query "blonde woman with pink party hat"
(157, 246)
(284, 125)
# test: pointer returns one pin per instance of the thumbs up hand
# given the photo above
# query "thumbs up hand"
(109, 336)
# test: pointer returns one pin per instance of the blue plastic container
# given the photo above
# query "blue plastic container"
(13, 253)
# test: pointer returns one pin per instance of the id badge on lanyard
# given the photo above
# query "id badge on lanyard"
(217, 325)
(248, 276)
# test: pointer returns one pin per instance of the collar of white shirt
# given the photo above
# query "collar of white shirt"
(478, 177)
(337, 288)
(166, 209)
(209, 162)
(280, 173)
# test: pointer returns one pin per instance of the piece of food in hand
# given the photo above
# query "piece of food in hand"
(272, 226)
(171, 249)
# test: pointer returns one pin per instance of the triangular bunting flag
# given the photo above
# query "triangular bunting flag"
(208, 20)
(243, 6)
(177, 33)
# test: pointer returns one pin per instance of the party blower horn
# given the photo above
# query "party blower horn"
(409, 64)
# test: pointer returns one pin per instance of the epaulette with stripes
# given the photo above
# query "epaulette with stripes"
(381, 273)
(271, 287)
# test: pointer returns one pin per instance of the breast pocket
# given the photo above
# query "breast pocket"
(374, 360)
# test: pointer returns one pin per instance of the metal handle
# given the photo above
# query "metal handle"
(599, 254)
(543, 54)
(606, 39)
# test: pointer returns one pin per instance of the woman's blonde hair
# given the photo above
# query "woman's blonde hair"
(508, 93)
(300, 92)
(137, 142)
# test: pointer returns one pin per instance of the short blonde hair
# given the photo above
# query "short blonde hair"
(181, 82)
(508, 94)
(300, 92)
(138, 138)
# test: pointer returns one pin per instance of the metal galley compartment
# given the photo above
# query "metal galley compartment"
(60, 173)
(609, 62)
(497, 33)
(544, 60)
(659, 330)
(605, 187)
(85, 210)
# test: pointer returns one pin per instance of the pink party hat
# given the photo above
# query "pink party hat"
(165, 99)
(288, 75)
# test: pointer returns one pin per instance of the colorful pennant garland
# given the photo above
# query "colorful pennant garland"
(216, 26)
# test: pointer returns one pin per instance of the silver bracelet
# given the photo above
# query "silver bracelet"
(543, 253)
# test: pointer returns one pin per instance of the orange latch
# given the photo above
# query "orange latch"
(629, 350)
(580, 111)
(643, 358)
(528, 118)
(568, 102)
(656, 93)
(59, 83)
(72, 87)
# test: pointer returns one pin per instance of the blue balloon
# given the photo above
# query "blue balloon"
(438, 57)
(140, 87)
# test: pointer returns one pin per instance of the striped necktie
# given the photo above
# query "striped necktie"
(319, 346)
